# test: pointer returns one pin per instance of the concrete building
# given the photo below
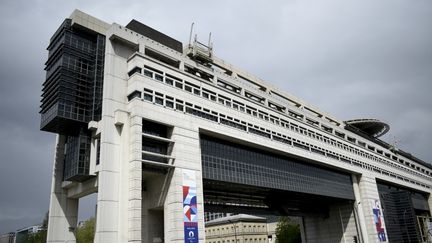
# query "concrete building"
(240, 228)
(164, 132)
(24, 234)
(7, 237)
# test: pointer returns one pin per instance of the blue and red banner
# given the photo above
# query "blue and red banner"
(190, 210)
(378, 220)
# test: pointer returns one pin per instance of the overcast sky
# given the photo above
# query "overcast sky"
(352, 59)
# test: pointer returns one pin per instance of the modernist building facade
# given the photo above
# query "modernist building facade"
(164, 132)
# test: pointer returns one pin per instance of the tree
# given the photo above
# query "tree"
(287, 232)
(85, 233)
(40, 236)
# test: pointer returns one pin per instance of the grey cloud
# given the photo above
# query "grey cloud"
(349, 58)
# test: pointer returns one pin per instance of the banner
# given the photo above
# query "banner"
(378, 220)
(190, 211)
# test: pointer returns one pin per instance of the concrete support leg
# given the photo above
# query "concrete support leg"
(359, 212)
(302, 230)
(430, 204)
(109, 186)
(187, 153)
(135, 181)
(135, 201)
(63, 212)
(369, 199)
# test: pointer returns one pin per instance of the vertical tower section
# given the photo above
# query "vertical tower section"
(72, 92)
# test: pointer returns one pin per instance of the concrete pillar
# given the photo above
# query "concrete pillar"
(430, 203)
(187, 155)
(368, 196)
(63, 212)
(135, 181)
(113, 182)
(302, 230)
(359, 211)
(108, 199)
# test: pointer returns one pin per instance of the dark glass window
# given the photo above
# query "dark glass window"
(235, 163)
(135, 94)
(169, 81)
(148, 73)
(159, 77)
(159, 101)
(98, 151)
(134, 70)
(179, 85)
(155, 129)
(148, 97)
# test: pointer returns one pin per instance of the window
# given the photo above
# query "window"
(134, 70)
(97, 151)
(159, 77)
(169, 81)
(135, 94)
(179, 85)
(148, 73)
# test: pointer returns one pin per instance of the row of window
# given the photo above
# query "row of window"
(221, 230)
(152, 149)
(246, 240)
(198, 111)
(282, 109)
(210, 95)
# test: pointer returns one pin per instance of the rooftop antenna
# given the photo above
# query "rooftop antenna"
(210, 45)
(190, 35)
(394, 143)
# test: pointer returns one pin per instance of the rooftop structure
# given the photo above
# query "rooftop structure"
(370, 127)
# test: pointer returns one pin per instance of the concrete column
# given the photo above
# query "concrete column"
(302, 230)
(187, 152)
(63, 212)
(430, 203)
(113, 189)
(108, 200)
(368, 195)
(135, 181)
(359, 211)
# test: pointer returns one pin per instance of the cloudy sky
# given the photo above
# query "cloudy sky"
(352, 59)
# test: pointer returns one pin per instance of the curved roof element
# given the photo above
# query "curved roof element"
(372, 127)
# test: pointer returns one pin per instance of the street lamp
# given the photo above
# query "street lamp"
(235, 231)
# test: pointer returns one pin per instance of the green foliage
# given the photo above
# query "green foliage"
(85, 234)
(287, 232)
(39, 237)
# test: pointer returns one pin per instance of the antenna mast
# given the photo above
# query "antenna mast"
(190, 35)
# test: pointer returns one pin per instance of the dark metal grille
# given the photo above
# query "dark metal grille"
(230, 162)
(399, 214)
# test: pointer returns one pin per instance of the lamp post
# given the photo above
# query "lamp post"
(235, 231)
(406, 228)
